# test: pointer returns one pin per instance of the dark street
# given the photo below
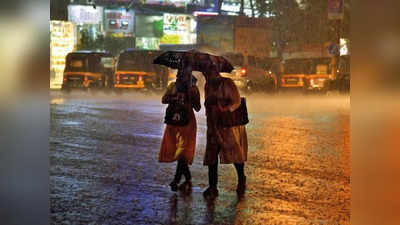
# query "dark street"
(104, 165)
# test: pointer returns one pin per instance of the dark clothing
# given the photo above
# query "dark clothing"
(213, 173)
(183, 80)
(182, 168)
(229, 142)
(180, 141)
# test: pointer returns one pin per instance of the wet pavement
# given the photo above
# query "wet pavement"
(104, 168)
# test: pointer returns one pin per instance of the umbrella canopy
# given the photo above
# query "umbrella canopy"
(199, 61)
(172, 59)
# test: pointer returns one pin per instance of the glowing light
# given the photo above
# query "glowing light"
(344, 46)
(200, 13)
(62, 41)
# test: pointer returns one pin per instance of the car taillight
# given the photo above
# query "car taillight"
(243, 72)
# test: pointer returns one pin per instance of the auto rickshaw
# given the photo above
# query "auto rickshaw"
(87, 70)
(136, 71)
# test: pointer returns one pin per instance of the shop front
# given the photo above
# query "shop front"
(179, 29)
(89, 22)
(148, 31)
(62, 41)
(171, 29)
(119, 22)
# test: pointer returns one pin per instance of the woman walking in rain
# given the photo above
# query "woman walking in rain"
(179, 141)
(229, 143)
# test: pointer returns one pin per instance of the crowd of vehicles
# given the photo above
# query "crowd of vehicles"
(133, 69)
(321, 75)
(307, 74)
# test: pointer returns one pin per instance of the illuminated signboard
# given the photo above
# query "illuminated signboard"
(104, 2)
(149, 26)
(176, 24)
(344, 46)
(81, 14)
(62, 41)
(176, 3)
(118, 21)
(150, 43)
(179, 29)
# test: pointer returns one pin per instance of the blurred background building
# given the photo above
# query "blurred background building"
(259, 29)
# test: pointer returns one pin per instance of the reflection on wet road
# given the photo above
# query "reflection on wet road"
(104, 169)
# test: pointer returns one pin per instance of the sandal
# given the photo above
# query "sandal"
(210, 193)
(186, 186)
(174, 186)
(241, 187)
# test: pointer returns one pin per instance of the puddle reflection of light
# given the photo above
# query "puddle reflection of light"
(71, 123)
(288, 137)
(57, 101)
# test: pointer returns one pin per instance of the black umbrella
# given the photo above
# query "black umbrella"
(198, 61)
(172, 59)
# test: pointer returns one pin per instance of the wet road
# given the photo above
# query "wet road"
(104, 169)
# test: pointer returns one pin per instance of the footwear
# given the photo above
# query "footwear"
(210, 193)
(241, 187)
(174, 186)
(186, 186)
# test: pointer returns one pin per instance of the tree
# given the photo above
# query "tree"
(316, 26)
(241, 11)
(286, 22)
(297, 23)
(252, 8)
(219, 6)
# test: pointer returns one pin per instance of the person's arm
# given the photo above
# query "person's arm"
(169, 95)
(232, 92)
(184, 79)
(195, 95)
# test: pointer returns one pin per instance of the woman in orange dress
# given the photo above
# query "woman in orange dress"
(229, 144)
(179, 142)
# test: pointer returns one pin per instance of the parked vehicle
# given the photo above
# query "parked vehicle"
(135, 70)
(239, 74)
(306, 74)
(293, 76)
(320, 70)
(240, 78)
(253, 74)
(341, 82)
(343, 75)
(88, 70)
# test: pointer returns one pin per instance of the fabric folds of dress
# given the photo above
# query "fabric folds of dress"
(180, 141)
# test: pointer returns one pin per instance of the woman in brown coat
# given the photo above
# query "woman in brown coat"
(179, 142)
(229, 143)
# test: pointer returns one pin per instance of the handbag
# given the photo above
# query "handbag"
(238, 117)
(176, 114)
